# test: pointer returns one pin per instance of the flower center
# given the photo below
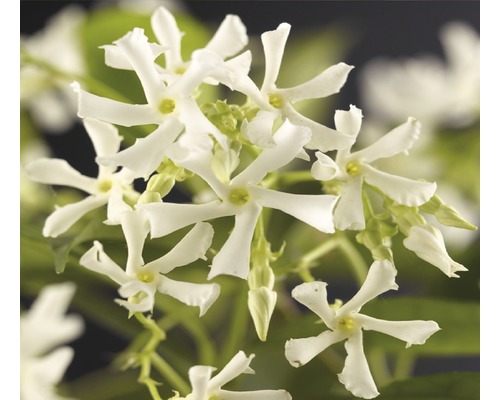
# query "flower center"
(346, 325)
(276, 100)
(353, 168)
(239, 196)
(146, 276)
(104, 185)
(166, 106)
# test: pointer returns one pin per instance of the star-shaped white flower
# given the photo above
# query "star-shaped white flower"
(244, 197)
(45, 327)
(110, 187)
(171, 107)
(346, 323)
(275, 102)
(353, 169)
(205, 387)
(139, 281)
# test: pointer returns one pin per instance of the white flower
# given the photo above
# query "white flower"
(427, 243)
(353, 169)
(346, 323)
(110, 187)
(277, 102)
(437, 93)
(139, 281)
(171, 107)
(49, 99)
(207, 388)
(44, 329)
(243, 197)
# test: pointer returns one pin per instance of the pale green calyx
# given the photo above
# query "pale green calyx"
(239, 196)
(166, 106)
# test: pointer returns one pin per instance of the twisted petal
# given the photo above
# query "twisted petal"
(135, 228)
(142, 291)
(145, 155)
(314, 296)
(192, 247)
(254, 395)
(64, 217)
(95, 259)
(114, 112)
(349, 122)
(405, 191)
(116, 206)
(54, 171)
(381, 278)
(234, 256)
(399, 140)
(356, 375)
(168, 34)
(105, 137)
(412, 332)
(314, 209)
(230, 38)
(299, 352)
(325, 84)
(349, 212)
(274, 46)
(324, 168)
(427, 243)
(200, 295)
(259, 130)
(239, 364)
(289, 139)
(199, 375)
(165, 218)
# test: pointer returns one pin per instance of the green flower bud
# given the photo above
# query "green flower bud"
(261, 303)
(446, 214)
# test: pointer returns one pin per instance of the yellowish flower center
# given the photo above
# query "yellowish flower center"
(180, 70)
(346, 325)
(146, 276)
(353, 168)
(166, 106)
(239, 196)
(276, 100)
(104, 185)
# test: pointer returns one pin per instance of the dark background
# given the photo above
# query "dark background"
(383, 28)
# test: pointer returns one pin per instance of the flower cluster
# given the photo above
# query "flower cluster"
(238, 155)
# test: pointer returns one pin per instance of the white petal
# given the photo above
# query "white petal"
(274, 46)
(168, 34)
(137, 50)
(254, 395)
(259, 130)
(238, 365)
(230, 38)
(399, 140)
(191, 247)
(114, 112)
(135, 228)
(105, 137)
(289, 139)
(52, 367)
(314, 296)
(133, 288)
(324, 168)
(323, 138)
(95, 259)
(54, 171)
(116, 205)
(114, 57)
(199, 375)
(201, 295)
(165, 218)
(313, 209)
(325, 84)
(381, 278)
(412, 332)
(356, 375)
(349, 212)
(146, 154)
(349, 122)
(405, 191)
(234, 256)
(64, 217)
(427, 243)
(299, 352)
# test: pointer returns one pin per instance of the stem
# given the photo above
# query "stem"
(404, 365)
(306, 262)
(239, 325)
(380, 369)
(170, 374)
(356, 260)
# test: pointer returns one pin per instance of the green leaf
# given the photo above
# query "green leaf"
(459, 322)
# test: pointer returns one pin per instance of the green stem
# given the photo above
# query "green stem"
(306, 262)
(356, 260)
(170, 374)
(404, 365)
(379, 367)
